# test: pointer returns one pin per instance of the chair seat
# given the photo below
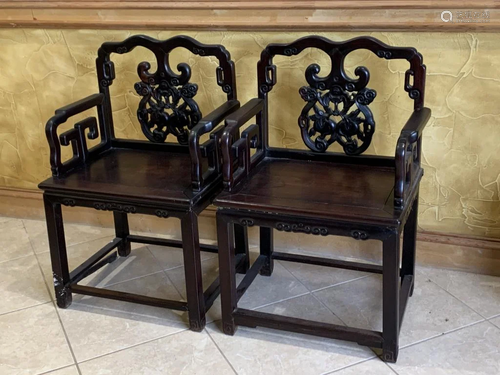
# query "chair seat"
(132, 174)
(319, 189)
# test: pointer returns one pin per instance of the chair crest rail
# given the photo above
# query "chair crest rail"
(167, 105)
(337, 106)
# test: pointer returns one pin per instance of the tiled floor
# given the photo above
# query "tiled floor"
(452, 325)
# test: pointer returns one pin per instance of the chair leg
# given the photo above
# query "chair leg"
(391, 286)
(58, 254)
(227, 273)
(266, 249)
(192, 269)
(122, 231)
(241, 247)
(410, 244)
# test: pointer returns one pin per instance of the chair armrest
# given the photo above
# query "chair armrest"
(408, 155)
(211, 148)
(236, 147)
(416, 124)
(75, 136)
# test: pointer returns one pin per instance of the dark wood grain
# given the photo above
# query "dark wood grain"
(321, 193)
(154, 177)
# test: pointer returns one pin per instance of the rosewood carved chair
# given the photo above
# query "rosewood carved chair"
(323, 193)
(154, 177)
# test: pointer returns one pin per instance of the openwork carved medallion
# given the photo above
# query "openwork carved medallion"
(167, 105)
(337, 115)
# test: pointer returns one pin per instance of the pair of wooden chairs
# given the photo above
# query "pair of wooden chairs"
(312, 192)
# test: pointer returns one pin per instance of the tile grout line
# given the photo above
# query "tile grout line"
(348, 366)
(324, 287)
(220, 350)
(166, 274)
(281, 300)
(55, 305)
(335, 315)
(56, 369)
(132, 279)
(17, 258)
(443, 334)
(341, 283)
(25, 308)
(321, 302)
(133, 346)
(458, 299)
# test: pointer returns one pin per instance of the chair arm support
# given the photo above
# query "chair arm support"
(236, 147)
(75, 136)
(408, 155)
(210, 148)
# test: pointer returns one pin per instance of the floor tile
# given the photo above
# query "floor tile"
(480, 292)
(496, 321)
(4, 219)
(75, 234)
(72, 370)
(265, 290)
(21, 284)
(156, 285)
(262, 351)
(209, 269)
(93, 331)
(371, 367)
(303, 307)
(15, 241)
(317, 277)
(170, 257)
(281, 285)
(139, 263)
(430, 311)
(183, 353)
(473, 350)
(32, 341)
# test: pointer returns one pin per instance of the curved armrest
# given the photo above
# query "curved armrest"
(416, 124)
(75, 136)
(408, 155)
(209, 149)
(236, 147)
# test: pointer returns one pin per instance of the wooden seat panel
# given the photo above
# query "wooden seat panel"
(154, 175)
(323, 189)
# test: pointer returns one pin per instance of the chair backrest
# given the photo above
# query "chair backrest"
(168, 104)
(337, 106)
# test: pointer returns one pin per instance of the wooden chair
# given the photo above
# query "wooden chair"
(323, 193)
(151, 177)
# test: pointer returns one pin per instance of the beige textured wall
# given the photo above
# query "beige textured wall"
(41, 70)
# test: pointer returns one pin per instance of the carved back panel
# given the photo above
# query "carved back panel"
(336, 106)
(168, 104)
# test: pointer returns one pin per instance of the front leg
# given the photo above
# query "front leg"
(227, 272)
(58, 253)
(241, 247)
(410, 244)
(192, 270)
(390, 287)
